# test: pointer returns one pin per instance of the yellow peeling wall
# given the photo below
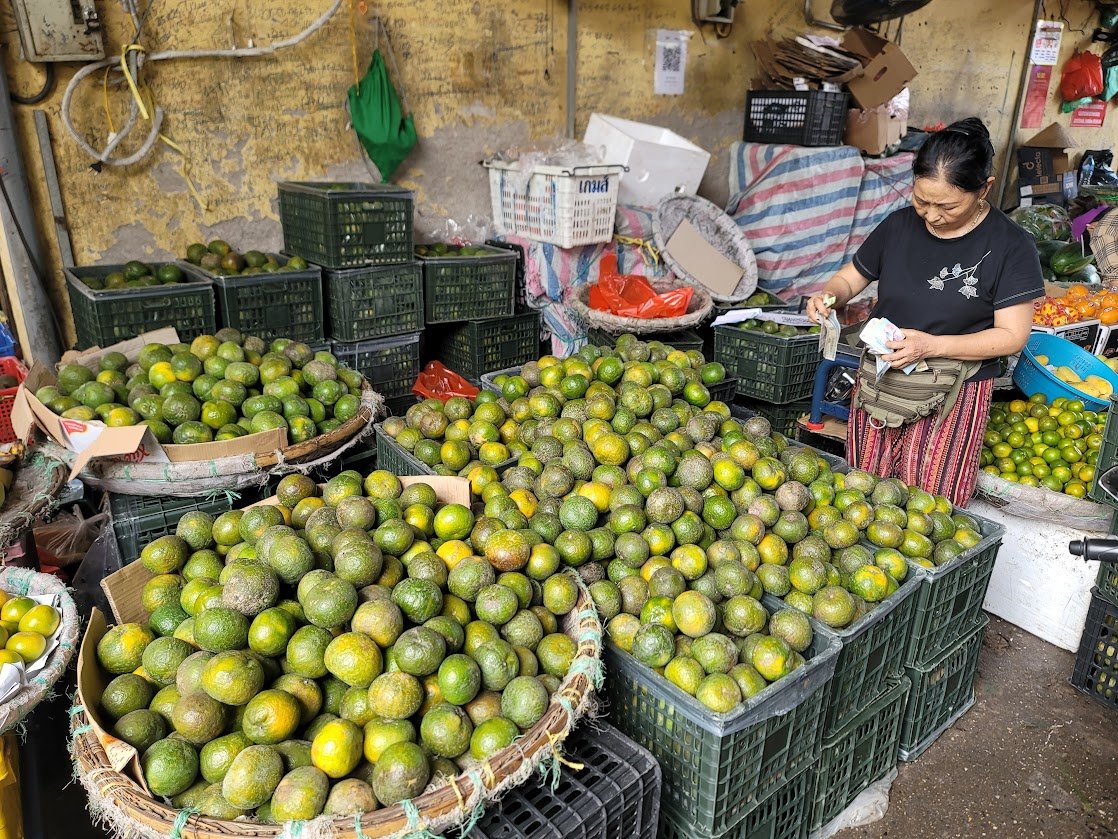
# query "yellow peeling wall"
(480, 77)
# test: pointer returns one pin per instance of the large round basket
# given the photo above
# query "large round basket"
(717, 228)
(39, 481)
(189, 478)
(578, 299)
(125, 810)
(21, 581)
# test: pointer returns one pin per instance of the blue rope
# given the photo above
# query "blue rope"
(180, 822)
(415, 830)
(357, 831)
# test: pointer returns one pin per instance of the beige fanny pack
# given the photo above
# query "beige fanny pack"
(897, 399)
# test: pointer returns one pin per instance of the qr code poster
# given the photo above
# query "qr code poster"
(671, 61)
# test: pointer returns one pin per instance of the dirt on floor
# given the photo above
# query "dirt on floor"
(1032, 759)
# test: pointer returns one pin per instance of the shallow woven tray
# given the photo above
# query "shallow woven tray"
(714, 226)
(121, 805)
(20, 581)
(578, 299)
(39, 481)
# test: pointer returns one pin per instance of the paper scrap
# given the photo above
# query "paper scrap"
(671, 61)
(1046, 42)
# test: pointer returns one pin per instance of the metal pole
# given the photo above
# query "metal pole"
(1011, 140)
(42, 341)
(572, 65)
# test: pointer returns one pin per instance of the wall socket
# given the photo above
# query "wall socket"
(59, 30)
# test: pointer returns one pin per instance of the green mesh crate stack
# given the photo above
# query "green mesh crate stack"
(362, 236)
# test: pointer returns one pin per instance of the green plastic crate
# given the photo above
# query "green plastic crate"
(390, 364)
(862, 752)
(782, 418)
(950, 596)
(107, 317)
(773, 369)
(345, 225)
(140, 519)
(1108, 455)
(774, 303)
(941, 692)
(478, 346)
(1096, 662)
(872, 656)
(283, 304)
(457, 288)
(1108, 582)
(374, 301)
(719, 767)
(685, 339)
(783, 815)
(394, 458)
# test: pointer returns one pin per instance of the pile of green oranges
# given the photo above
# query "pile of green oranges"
(1032, 443)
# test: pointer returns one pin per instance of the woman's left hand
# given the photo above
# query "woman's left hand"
(915, 346)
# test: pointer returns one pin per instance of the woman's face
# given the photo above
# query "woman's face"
(944, 206)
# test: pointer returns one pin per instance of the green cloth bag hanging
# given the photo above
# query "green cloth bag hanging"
(378, 118)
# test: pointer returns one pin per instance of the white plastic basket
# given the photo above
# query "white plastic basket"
(566, 207)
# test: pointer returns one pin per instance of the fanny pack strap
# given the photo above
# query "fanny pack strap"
(951, 396)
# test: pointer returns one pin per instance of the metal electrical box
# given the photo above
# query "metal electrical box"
(59, 30)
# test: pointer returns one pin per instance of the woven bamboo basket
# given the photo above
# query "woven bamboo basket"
(578, 299)
(122, 806)
(21, 581)
(39, 481)
(189, 478)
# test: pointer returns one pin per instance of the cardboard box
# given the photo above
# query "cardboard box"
(1083, 334)
(1055, 189)
(874, 130)
(89, 440)
(1107, 343)
(1044, 157)
(124, 591)
(884, 73)
(703, 261)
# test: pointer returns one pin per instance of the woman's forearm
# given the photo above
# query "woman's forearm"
(845, 285)
(979, 346)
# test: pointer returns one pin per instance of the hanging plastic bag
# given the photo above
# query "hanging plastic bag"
(377, 114)
(439, 382)
(632, 296)
(1081, 77)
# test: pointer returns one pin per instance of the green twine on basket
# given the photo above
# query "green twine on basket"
(474, 777)
(415, 830)
(180, 822)
(231, 496)
(357, 831)
(294, 829)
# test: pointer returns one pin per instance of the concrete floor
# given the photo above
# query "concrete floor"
(1032, 759)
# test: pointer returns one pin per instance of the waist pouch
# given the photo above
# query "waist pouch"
(897, 399)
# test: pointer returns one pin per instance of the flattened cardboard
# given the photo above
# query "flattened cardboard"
(91, 684)
(703, 261)
(89, 440)
(884, 73)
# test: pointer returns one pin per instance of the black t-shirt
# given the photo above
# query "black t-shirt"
(949, 286)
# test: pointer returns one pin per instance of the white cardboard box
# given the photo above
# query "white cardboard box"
(1037, 585)
(660, 161)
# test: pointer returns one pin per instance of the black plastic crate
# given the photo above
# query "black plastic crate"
(774, 303)
(862, 753)
(768, 367)
(107, 317)
(616, 793)
(782, 418)
(719, 767)
(479, 346)
(390, 364)
(784, 815)
(374, 301)
(685, 339)
(941, 693)
(1108, 581)
(872, 656)
(397, 406)
(457, 288)
(140, 519)
(950, 597)
(281, 304)
(796, 117)
(344, 225)
(1096, 663)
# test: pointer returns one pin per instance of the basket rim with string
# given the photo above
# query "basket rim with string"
(35, 491)
(119, 803)
(234, 472)
(24, 581)
(578, 299)
(718, 228)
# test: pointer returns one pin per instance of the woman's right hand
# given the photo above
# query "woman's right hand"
(819, 307)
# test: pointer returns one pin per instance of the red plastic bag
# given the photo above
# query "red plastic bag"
(439, 382)
(633, 296)
(1081, 77)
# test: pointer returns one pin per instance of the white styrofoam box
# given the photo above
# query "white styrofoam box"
(660, 161)
(1037, 585)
